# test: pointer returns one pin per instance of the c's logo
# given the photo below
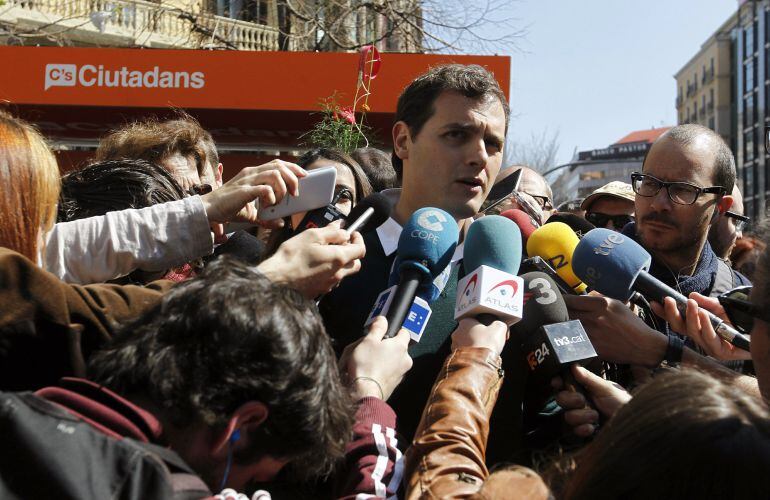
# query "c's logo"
(60, 75)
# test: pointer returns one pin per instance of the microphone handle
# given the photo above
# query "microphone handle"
(362, 219)
(486, 319)
(657, 291)
(403, 296)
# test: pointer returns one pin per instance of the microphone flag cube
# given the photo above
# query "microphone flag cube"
(490, 291)
(416, 319)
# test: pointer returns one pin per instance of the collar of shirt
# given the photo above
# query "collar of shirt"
(389, 233)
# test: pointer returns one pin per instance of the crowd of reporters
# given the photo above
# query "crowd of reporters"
(158, 339)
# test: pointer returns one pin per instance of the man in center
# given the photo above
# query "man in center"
(448, 137)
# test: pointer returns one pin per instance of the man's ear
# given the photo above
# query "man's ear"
(725, 203)
(402, 139)
(245, 419)
(218, 174)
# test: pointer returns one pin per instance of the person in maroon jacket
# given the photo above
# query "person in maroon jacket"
(227, 381)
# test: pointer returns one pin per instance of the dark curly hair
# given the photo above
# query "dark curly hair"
(228, 337)
(115, 185)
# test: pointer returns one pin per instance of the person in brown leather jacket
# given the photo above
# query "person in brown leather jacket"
(446, 459)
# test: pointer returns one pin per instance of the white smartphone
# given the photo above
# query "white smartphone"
(316, 190)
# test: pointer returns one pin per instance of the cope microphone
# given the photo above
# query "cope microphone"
(555, 243)
(370, 213)
(425, 248)
(550, 341)
(492, 290)
(578, 224)
(523, 220)
(616, 266)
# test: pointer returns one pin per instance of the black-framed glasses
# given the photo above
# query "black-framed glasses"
(599, 219)
(544, 201)
(740, 310)
(739, 221)
(682, 193)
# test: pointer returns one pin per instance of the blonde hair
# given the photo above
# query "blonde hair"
(29, 183)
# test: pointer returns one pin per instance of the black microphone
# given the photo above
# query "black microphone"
(550, 341)
(578, 224)
(370, 213)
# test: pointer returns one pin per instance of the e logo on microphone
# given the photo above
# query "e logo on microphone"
(432, 220)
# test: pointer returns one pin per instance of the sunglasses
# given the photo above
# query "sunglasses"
(740, 310)
(599, 219)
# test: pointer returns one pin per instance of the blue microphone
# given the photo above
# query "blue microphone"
(493, 254)
(617, 266)
(425, 248)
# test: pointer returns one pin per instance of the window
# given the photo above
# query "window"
(749, 147)
(712, 126)
(595, 174)
(749, 111)
(748, 76)
(748, 41)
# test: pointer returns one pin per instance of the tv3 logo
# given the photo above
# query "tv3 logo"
(537, 356)
(60, 75)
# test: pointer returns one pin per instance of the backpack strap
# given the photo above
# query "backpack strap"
(725, 279)
(186, 484)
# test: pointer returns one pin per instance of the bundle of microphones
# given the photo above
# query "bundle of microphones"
(515, 271)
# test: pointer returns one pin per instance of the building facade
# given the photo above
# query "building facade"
(298, 25)
(704, 85)
(597, 167)
(751, 39)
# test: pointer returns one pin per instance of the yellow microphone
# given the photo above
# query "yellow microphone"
(555, 242)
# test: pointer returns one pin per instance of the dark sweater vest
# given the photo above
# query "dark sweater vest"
(345, 310)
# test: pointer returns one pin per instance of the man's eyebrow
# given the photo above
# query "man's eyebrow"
(461, 126)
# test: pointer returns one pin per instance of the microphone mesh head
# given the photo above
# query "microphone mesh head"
(493, 241)
(382, 208)
(428, 240)
(609, 262)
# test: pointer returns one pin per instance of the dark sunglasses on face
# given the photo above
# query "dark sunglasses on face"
(682, 193)
(599, 219)
(740, 310)
(739, 221)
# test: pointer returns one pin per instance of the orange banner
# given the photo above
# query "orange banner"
(197, 79)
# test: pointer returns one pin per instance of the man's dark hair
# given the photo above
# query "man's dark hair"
(415, 104)
(724, 162)
(115, 185)
(378, 167)
(231, 336)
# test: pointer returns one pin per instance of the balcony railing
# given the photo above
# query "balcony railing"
(144, 23)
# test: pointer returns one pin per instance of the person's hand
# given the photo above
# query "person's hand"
(373, 364)
(607, 397)
(316, 260)
(471, 333)
(268, 183)
(617, 334)
(698, 327)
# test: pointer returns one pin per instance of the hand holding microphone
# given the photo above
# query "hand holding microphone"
(374, 366)
(695, 323)
(616, 266)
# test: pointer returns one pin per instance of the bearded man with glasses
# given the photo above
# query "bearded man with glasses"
(683, 188)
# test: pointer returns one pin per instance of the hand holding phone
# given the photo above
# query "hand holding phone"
(316, 190)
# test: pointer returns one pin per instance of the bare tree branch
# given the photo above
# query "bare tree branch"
(538, 152)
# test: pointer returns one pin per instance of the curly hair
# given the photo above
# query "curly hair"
(115, 185)
(228, 337)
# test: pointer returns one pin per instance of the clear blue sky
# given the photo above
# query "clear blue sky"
(598, 69)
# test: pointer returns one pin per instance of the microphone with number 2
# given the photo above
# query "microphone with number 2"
(616, 266)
